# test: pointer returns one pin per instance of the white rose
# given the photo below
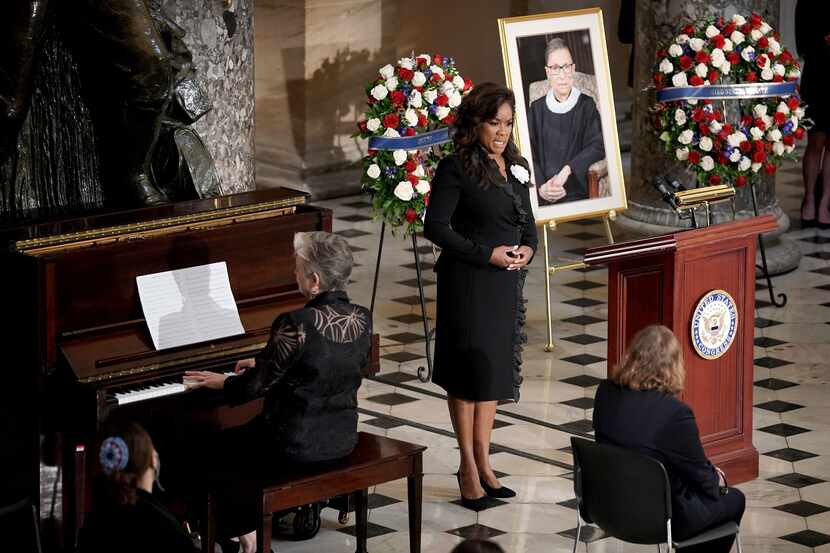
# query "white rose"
(756, 167)
(767, 74)
(418, 79)
(783, 108)
(373, 124)
(711, 31)
(778, 148)
(794, 121)
(774, 46)
(430, 96)
(727, 45)
(768, 120)
(411, 117)
(436, 70)
(404, 191)
(455, 99)
(373, 171)
(415, 99)
(458, 82)
(745, 164)
(737, 37)
(725, 68)
(696, 44)
(735, 139)
(779, 69)
(665, 136)
(774, 135)
(702, 70)
(422, 187)
(391, 133)
(747, 53)
(756, 133)
(682, 153)
(675, 50)
(666, 66)
(446, 87)
(799, 112)
(680, 117)
(692, 102)
(767, 62)
(765, 28)
(682, 39)
(419, 171)
(715, 127)
(717, 57)
(738, 19)
(391, 83)
(706, 144)
(399, 156)
(685, 137)
(794, 73)
(789, 149)
(707, 163)
(424, 112)
(679, 79)
(756, 35)
(406, 63)
(379, 92)
(387, 71)
(759, 110)
(735, 156)
(442, 112)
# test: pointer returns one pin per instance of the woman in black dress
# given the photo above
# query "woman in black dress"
(480, 216)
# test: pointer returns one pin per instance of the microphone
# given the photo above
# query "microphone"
(666, 190)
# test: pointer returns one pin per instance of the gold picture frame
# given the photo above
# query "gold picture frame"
(523, 43)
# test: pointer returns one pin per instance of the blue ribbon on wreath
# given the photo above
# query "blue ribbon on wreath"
(416, 142)
(726, 91)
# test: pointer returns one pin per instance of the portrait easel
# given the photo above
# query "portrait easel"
(550, 269)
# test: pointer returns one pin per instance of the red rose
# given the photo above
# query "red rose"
(714, 180)
(769, 168)
(733, 58)
(423, 60)
(703, 128)
(695, 81)
(371, 152)
(759, 157)
(745, 146)
(697, 115)
(746, 28)
(413, 180)
(758, 145)
(723, 159)
(426, 199)
(702, 57)
(760, 124)
(751, 76)
(391, 121)
(729, 29)
(792, 102)
(799, 133)
(658, 80)
(761, 61)
(780, 118)
(740, 182)
(397, 97)
(709, 116)
(763, 42)
(422, 120)
(718, 115)
(717, 41)
(442, 100)
(685, 62)
(723, 134)
(755, 20)
(785, 57)
(406, 74)
(449, 119)
(436, 78)
(362, 125)
(468, 84)
(713, 76)
(727, 128)
(694, 157)
(777, 78)
(688, 30)
(410, 165)
(661, 53)
(411, 216)
(437, 59)
(788, 140)
(409, 131)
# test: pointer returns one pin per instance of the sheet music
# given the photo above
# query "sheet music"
(188, 306)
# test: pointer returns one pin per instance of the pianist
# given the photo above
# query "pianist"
(309, 373)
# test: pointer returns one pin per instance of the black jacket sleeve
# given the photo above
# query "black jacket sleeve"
(680, 443)
(283, 349)
(447, 189)
(529, 234)
(593, 149)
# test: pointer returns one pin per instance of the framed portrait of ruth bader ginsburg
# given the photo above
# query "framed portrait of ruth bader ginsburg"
(564, 125)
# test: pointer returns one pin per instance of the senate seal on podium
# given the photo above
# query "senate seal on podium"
(714, 324)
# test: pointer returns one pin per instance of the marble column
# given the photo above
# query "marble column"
(657, 21)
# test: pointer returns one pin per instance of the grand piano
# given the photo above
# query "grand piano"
(81, 349)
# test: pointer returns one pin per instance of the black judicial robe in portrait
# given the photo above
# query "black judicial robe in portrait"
(557, 139)
(480, 311)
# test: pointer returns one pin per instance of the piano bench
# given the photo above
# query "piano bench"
(375, 460)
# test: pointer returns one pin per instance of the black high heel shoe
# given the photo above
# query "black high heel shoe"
(499, 493)
(478, 504)
(806, 223)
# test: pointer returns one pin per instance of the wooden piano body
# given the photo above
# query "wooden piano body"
(74, 321)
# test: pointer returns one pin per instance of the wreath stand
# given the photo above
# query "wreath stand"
(424, 373)
(763, 266)
(550, 269)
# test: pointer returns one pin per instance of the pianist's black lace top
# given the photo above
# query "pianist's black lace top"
(309, 374)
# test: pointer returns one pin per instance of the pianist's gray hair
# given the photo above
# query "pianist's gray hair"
(326, 254)
(554, 45)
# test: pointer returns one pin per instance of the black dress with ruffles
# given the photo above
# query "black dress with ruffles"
(481, 310)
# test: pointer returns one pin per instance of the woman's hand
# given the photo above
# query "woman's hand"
(503, 256)
(243, 365)
(721, 477)
(204, 379)
(521, 258)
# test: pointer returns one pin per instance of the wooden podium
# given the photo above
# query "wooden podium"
(662, 280)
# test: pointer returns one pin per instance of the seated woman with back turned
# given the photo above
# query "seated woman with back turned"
(126, 518)
(637, 409)
(309, 373)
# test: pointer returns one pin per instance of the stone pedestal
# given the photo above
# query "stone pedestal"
(657, 21)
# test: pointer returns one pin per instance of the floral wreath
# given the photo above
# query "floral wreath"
(417, 95)
(725, 53)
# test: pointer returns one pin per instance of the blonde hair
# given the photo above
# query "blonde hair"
(653, 361)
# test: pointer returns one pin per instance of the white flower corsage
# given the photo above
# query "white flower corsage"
(520, 173)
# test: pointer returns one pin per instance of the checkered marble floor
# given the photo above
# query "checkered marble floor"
(788, 505)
